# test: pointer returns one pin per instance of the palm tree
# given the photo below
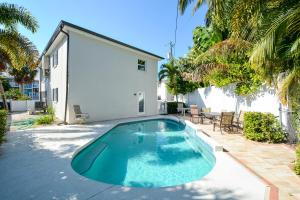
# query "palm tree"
(15, 50)
(170, 71)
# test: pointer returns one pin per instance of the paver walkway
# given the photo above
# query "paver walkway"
(270, 161)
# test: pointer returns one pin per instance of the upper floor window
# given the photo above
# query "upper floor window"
(141, 65)
(55, 58)
(55, 94)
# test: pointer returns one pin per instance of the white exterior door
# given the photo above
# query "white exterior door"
(141, 102)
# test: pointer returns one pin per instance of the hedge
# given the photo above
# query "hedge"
(263, 127)
(3, 122)
(297, 164)
(172, 107)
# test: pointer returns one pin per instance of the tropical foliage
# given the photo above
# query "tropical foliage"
(3, 124)
(270, 28)
(16, 50)
(175, 82)
(263, 127)
(15, 94)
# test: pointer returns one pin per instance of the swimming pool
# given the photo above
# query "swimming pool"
(150, 153)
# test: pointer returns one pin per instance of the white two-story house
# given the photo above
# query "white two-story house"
(107, 78)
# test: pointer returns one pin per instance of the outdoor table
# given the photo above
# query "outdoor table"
(183, 110)
(213, 115)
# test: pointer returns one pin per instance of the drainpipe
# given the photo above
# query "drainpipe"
(67, 74)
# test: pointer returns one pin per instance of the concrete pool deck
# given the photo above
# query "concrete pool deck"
(272, 162)
(35, 164)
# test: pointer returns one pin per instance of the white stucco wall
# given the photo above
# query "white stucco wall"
(103, 78)
(219, 99)
(163, 92)
(57, 79)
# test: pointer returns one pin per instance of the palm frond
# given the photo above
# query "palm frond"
(11, 14)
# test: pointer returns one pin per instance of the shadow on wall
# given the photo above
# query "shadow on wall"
(196, 99)
(211, 96)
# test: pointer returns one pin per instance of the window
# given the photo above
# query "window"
(55, 94)
(51, 60)
(141, 102)
(141, 65)
(55, 58)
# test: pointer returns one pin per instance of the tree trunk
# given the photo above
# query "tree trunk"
(5, 106)
(21, 88)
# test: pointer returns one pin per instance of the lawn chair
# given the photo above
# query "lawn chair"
(207, 111)
(239, 120)
(226, 121)
(195, 113)
(40, 106)
(79, 115)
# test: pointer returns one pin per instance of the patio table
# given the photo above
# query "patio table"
(183, 110)
(212, 115)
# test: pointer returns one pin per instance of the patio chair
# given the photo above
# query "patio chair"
(226, 121)
(207, 111)
(195, 114)
(40, 106)
(239, 120)
(79, 115)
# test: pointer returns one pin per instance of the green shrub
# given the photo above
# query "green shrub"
(3, 121)
(172, 107)
(297, 164)
(50, 111)
(45, 119)
(15, 94)
(263, 127)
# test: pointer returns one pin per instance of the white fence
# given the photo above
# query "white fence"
(224, 99)
(18, 106)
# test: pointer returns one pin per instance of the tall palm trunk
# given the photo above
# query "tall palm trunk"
(5, 106)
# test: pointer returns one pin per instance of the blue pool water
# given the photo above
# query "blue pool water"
(152, 153)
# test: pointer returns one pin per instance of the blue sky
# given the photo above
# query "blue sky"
(147, 24)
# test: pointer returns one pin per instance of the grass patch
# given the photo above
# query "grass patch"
(46, 119)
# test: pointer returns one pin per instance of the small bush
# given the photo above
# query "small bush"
(45, 119)
(263, 127)
(15, 94)
(172, 107)
(297, 164)
(51, 111)
(3, 121)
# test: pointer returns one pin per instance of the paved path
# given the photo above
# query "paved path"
(35, 164)
(270, 161)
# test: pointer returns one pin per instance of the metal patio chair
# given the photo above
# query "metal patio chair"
(225, 121)
(80, 115)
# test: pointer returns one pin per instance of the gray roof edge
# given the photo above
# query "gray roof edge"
(64, 23)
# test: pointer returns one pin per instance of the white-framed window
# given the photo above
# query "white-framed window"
(55, 94)
(141, 65)
(141, 102)
(55, 58)
(51, 60)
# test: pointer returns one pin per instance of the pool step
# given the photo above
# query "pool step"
(84, 162)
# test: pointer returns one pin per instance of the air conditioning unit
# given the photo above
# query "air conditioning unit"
(46, 72)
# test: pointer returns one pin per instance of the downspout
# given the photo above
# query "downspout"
(67, 74)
